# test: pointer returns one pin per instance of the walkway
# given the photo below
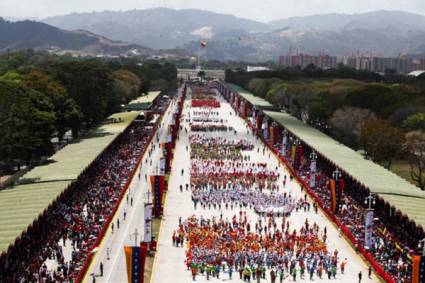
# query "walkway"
(169, 264)
(111, 250)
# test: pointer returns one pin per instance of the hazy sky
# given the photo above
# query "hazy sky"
(262, 10)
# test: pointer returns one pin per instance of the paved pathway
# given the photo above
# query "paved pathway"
(169, 263)
(111, 250)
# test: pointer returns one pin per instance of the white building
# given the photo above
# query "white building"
(256, 68)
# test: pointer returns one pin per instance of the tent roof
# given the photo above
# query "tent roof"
(403, 195)
(20, 205)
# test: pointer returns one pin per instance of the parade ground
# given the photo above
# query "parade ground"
(169, 265)
(129, 231)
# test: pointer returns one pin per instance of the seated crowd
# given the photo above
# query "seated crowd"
(76, 219)
(388, 252)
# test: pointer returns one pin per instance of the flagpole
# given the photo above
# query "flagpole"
(199, 55)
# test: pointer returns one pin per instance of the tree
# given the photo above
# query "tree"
(67, 112)
(415, 146)
(129, 84)
(159, 84)
(260, 87)
(321, 107)
(347, 124)
(379, 98)
(25, 129)
(382, 141)
(13, 76)
(90, 84)
(397, 118)
(415, 122)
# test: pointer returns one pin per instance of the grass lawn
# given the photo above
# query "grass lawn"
(402, 168)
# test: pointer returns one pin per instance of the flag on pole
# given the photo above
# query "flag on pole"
(203, 44)
(135, 258)
(332, 187)
(418, 272)
(158, 186)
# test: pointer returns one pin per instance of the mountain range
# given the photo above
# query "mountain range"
(36, 35)
(382, 33)
(159, 28)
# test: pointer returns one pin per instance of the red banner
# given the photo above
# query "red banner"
(211, 103)
(158, 186)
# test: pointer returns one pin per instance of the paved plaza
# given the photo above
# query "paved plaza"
(170, 265)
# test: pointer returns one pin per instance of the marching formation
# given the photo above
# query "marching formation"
(242, 228)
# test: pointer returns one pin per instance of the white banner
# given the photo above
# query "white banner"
(312, 181)
(162, 165)
(148, 223)
(368, 228)
(284, 142)
(313, 166)
(265, 133)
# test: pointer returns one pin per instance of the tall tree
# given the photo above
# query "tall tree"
(382, 141)
(67, 112)
(347, 124)
(415, 146)
(415, 122)
(25, 129)
(90, 84)
(128, 82)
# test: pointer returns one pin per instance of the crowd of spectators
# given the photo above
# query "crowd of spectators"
(77, 216)
(395, 237)
(387, 250)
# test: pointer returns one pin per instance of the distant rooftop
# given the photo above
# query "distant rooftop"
(254, 100)
(142, 102)
(416, 73)
(406, 197)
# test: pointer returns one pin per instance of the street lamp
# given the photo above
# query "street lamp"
(284, 141)
(313, 157)
(369, 201)
(336, 174)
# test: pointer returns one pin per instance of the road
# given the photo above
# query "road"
(111, 250)
(169, 265)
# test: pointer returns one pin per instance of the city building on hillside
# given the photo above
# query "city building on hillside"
(377, 64)
(371, 63)
(322, 61)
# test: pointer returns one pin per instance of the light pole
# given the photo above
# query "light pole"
(422, 245)
(136, 236)
(313, 158)
(336, 175)
(148, 193)
(369, 202)
(284, 141)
